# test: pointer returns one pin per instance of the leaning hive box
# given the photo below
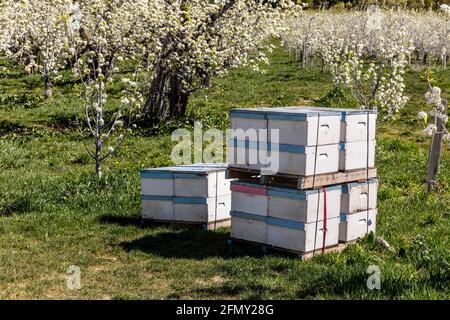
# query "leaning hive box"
(300, 131)
(197, 193)
(283, 217)
(356, 225)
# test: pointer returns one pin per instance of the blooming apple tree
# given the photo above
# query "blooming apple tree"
(37, 37)
(94, 53)
(197, 40)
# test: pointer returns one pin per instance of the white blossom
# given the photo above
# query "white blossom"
(422, 115)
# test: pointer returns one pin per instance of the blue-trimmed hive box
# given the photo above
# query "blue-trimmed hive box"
(198, 193)
(357, 137)
(344, 139)
(285, 218)
(301, 132)
(358, 209)
(355, 123)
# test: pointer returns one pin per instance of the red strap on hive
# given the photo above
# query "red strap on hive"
(324, 218)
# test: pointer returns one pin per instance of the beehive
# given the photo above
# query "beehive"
(359, 196)
(358, 209)
(197, 193)
(294, 160)
(357, 155)
(283, 217)
(355, 123)
(301, 133)
(356, 225)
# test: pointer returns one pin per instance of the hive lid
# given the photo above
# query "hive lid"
(345, 111)
(197, 168)
(286, 113)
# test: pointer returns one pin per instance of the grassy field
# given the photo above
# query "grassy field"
(54, 213)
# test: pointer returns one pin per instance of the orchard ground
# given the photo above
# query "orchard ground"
(54, 213)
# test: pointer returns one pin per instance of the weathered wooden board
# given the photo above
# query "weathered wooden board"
(301, 182)
(434, 156)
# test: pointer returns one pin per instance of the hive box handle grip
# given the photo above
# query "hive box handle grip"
(362, 124)
(323, 156)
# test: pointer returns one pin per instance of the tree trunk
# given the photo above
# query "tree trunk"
(155, 103)
(178, 99)
(304, 58)
(47, 88)
(424, 59)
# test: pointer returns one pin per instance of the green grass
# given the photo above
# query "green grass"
(54, 213)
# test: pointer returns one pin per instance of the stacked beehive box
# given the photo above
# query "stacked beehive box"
(285, 218)
(302, 133)
(194, 194)
(331, 148)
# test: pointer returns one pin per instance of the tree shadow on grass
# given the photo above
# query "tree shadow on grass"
(191, 244)
(7, 126)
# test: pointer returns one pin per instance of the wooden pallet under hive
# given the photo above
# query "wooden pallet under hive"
(301, 182)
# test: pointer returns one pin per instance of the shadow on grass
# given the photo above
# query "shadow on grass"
(120, 220)
(245, 290)
(63, 120)
(191, 244)
(7, 126)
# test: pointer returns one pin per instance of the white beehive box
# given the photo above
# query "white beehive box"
(197, 193)
(299, 130)
(284, 234)
(359, 196)
(355, 123)
(353, 155)
(297, 125)
(283, 217)
(295, 160)
(356, 225)
(285, 203)
(300, 237)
